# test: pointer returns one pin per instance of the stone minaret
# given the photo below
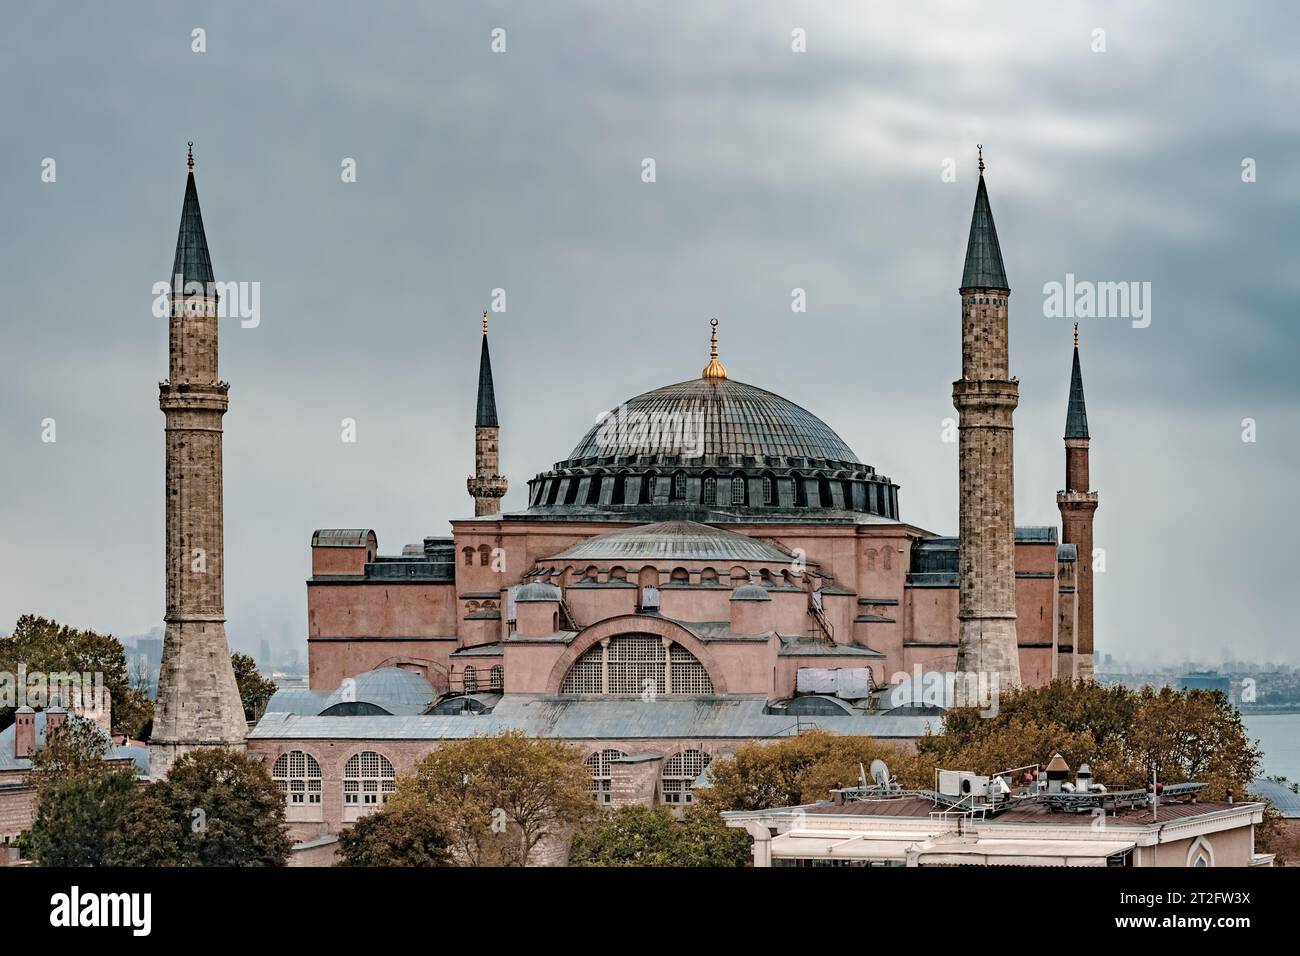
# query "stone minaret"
(985, 397)
(487, 487)
(198, 701)
(1077, 504)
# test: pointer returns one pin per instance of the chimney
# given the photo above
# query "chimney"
(24, 732)
(1057, 771)
(55, 718)
(1083, 778)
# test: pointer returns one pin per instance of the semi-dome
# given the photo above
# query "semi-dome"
(672, 541)
(537, 591)
(712, 448)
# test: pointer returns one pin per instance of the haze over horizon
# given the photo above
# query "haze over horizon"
(775, 170)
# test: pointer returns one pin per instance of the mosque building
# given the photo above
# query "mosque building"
(710, 565)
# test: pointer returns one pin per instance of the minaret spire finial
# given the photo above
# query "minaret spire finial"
(980, 147)
(1076, 335)
(715, 369)
(189, 160)
(485, 322)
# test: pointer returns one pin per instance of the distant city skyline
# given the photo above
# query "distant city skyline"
(845, 171)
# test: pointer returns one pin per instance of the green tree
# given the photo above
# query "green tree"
(650, 836)
(410, 835)
(501, 796)
(81, 798)
(254, 689)
(1124, 735)
(215, 807)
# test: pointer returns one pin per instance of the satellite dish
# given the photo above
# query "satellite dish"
(880, 773)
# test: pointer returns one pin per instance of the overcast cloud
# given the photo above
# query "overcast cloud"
(522, 171)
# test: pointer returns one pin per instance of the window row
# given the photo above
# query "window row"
(368, 780)
(807, 490)
(472, 683)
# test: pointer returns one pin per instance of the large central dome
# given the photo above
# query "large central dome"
(712, 449)
(712, 419)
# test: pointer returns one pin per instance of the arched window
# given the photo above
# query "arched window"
(571, 491)
(601, 776)
(593, 489)
(737, 490)
(710, 490)
(367, 784)
(469, 556)
(496, 677)
(680, 772)
(297, 774)
(620, 489)
(767, 489)
(648, 484)
(484, 553)
(800, 492)
(824, 490)
(637, 664)
(679, 485)
(470, 679)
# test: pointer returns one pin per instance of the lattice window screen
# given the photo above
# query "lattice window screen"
(680, 772)
(688, 674)
(601, 782)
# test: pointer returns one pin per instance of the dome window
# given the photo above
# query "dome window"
(767, 490)
(737, 490)
(679, 485)
(710, 491)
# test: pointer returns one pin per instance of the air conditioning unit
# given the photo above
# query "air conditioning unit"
(962, 783)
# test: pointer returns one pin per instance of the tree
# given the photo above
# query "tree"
(650, 836)
(216, 807)
(409, 835)
(254, 689)
(500, 797)
(1123, 734)
(800, 769)
(81, 799)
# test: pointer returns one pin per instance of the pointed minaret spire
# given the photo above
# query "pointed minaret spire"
(1076, 415)
(487, 487)
(1078, 504)
(191, 262)
(198, 701)
(985, 397)
(486, 416)
(984, 268)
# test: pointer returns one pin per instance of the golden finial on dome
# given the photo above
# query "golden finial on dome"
(485, 323)
(715, 369)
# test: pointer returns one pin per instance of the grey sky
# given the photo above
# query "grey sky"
(521, 170)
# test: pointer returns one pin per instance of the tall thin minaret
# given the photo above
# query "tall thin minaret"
(1077, 504)
(487, 487)
(985, 398)
(198, 701)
